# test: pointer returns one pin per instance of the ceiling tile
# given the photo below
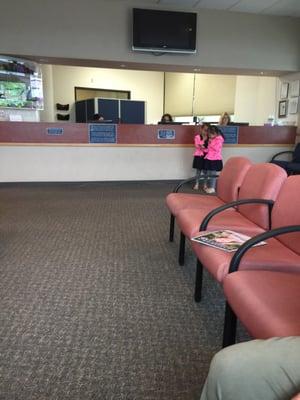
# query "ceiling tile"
(216, 4)
(290, 8)
(181, 3)
(267, 7)
(253, 6)
(143, 2)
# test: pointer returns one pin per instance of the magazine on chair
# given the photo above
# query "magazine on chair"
(224, 239)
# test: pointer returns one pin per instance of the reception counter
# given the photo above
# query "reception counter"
(35, 152)
(127, 134)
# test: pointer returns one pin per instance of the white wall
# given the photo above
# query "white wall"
(101, 30)
(255, 99)
(143, 85)
(96, 163)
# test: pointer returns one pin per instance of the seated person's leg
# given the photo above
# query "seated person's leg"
(255, 370)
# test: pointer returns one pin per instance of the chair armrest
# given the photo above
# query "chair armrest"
(236, 259)
(189, 180)
(217, 210)
(282, 152)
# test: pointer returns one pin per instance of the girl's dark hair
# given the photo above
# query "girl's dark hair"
(168, 116)
(216, 130)
(96, 117)
(208, 125)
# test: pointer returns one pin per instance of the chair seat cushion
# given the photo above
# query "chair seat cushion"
(267, 303)
(181, 201)
(189, 221)
(271, 256)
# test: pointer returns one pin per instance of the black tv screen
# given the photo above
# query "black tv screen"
(164, 31)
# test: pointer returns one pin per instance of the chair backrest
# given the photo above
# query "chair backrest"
(296, 154)
(231, 178)
(262, 181)
(286, 211)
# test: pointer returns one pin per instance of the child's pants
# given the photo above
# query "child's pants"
(208, 181)
(199, 173)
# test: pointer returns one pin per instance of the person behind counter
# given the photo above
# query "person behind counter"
(98, 117)
(166, 119)
(224, 119)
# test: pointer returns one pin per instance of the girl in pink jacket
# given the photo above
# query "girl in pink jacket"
(200, 141)
(213, 158)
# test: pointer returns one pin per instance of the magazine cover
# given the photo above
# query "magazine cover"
(224, 240)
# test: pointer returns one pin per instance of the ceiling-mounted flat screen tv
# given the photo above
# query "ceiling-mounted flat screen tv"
(164, 31)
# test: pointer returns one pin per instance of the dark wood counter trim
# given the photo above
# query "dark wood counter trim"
(267, 134)
(147, 134)
(136, 135)
(36, 132)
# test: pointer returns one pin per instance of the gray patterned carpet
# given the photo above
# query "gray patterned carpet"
(93, 303)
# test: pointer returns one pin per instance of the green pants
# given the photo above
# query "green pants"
(255, 370)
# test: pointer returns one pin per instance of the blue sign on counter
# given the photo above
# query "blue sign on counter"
(102, 133)
(166, 134)
(231, 134)
(55, 131)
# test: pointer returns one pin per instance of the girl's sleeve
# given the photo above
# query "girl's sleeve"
(217, 143)
(198, 141)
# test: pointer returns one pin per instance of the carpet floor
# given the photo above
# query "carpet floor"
(93, 303)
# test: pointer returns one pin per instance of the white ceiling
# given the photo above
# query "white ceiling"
(288, 8)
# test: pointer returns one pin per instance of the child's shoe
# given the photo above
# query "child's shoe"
(196, 186)
(210, 190)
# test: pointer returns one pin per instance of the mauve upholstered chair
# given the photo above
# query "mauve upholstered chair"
(266, 302)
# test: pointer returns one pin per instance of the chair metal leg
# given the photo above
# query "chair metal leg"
(172, 224)
(198, 283)
(181, 249)
(229, 331)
